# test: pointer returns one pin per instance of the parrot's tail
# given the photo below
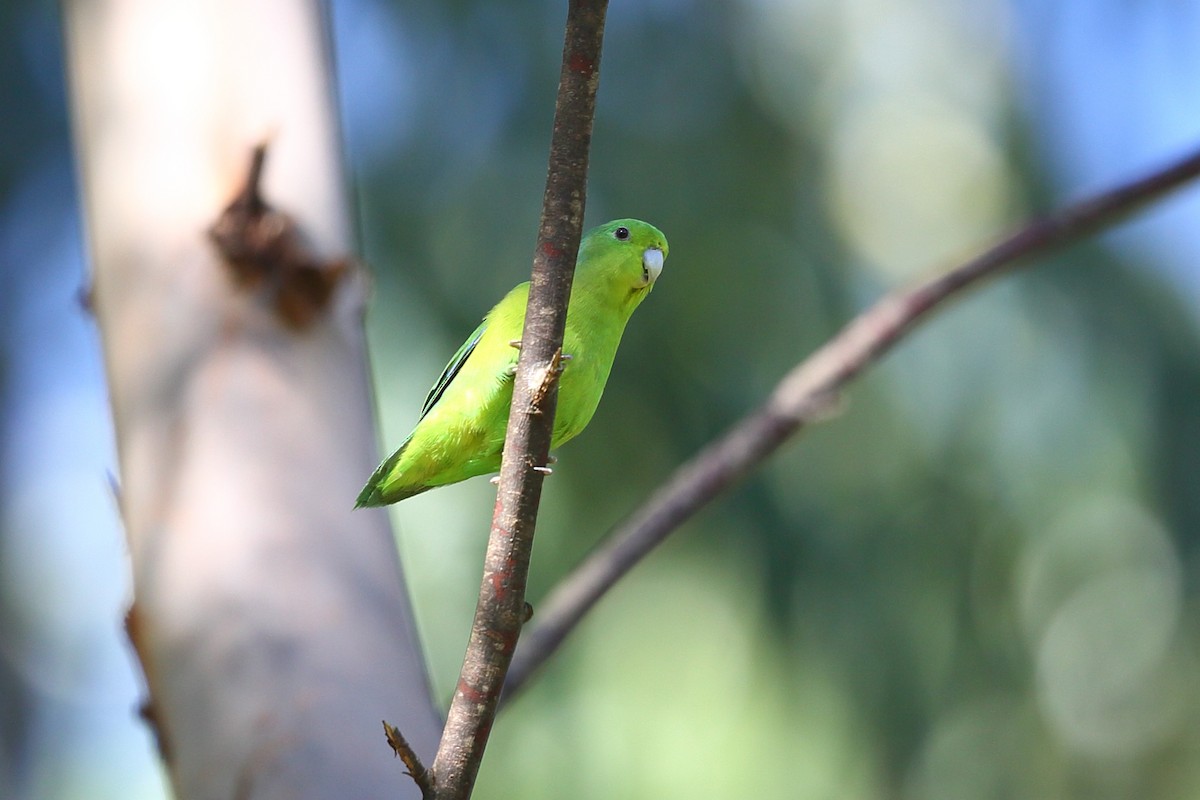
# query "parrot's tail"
(378, 493)
(371, 496)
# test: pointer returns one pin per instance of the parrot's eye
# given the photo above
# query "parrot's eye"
(621, 233)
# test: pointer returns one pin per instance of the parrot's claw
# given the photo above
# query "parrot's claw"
(544, 470)
(494, 480)
(510, 370)
(528, 613)
(515, 343)
(551, 460)
(560, 362)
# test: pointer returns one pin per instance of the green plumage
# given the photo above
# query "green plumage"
(461, 430)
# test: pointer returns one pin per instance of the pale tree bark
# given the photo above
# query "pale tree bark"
(271, 620)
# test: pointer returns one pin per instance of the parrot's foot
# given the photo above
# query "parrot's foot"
(495, 479)
(528, 614)
(559, 364)
(511, 371)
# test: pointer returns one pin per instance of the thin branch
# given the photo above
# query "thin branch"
(412, 762)
(802, 397)
(501, 609)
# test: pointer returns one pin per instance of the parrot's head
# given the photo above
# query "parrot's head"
(626, 255)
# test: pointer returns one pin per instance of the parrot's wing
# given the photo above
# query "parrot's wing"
(452, 369)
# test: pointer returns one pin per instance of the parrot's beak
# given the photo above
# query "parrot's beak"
(652, 264)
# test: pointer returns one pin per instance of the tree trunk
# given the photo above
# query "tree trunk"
(271, 620)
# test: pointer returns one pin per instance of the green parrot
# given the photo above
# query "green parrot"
(461, 430)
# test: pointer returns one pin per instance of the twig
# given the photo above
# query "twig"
(412, 762)
(500, 612)
(801, 397)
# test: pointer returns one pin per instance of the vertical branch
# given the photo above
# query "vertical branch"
(501, 609)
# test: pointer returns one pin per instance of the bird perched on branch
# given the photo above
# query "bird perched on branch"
(461, 430)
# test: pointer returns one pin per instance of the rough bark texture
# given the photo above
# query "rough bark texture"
(271, 621)
(501, 609)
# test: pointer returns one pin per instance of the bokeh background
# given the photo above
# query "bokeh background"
(979, 581)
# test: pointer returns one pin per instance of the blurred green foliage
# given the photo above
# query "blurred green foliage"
(978, 581)
(973, 582)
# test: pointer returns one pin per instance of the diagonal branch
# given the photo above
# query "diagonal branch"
(803, 395)
(501, 609)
